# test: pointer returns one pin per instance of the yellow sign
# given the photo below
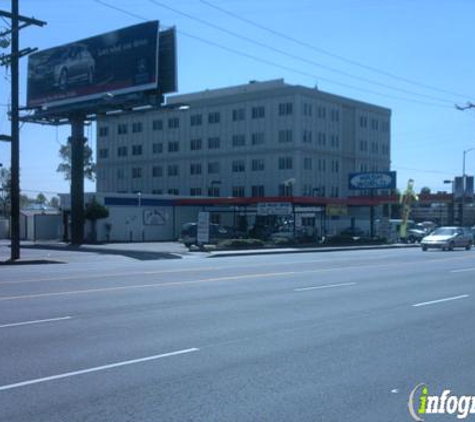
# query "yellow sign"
(333, 210)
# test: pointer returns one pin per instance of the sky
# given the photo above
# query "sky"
(415, 57)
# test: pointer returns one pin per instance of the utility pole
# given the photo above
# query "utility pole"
(13, 60)
(464, 177)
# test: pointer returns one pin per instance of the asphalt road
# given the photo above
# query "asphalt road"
(341, 336)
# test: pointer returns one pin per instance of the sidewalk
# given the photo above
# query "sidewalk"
(58, 252)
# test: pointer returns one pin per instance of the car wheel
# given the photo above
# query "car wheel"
(63, 79)
(424, 248)
(469, 246)
(451, 246)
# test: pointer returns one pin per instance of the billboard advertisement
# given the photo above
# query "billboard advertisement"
(373, 180)
(167, 61)
(115, 63)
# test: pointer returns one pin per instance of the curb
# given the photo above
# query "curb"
(224, 254)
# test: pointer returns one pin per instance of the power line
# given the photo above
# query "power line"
(277, 65)
(295, 57)
(330, 54)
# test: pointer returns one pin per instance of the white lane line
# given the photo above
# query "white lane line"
(37, 321)
(447, 299)
(463, 270)
(96, 369)
(327, 286)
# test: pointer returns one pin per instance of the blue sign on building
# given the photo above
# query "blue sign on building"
(373, 180)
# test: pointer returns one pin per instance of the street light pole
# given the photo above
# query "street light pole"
(464, 178)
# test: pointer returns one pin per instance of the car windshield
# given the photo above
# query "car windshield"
(444, 232)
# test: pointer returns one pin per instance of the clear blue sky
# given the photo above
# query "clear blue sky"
(430, 43)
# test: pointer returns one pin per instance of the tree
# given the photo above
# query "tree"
(5, 190)
(425, 190)
(65, 165)
(95, 211)
(54, 202)
(41, 199)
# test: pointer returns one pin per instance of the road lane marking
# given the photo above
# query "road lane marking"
(463, 270)
(37, 321)
(144, 286)
(96, 369)
(447, 299)
(327, 286)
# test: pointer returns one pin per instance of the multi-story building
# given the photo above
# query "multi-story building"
(259, 139)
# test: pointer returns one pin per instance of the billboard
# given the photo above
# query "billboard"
(373, 180)
(167, 62)
(115, 63)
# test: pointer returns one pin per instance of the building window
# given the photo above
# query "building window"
(238, 191)
(173, 123)
(137, 127)
(239, 114)
(385, 126)
(120, 174)
(374, 124)
(157, 171)
(173, 170)
(258, 112)
(307, 109)
(136, 172)
(363, 122)
(213, 191)
(238, 166)
(322, 138)
(363, 145)
(195, 192)
(258, 138)
(213, 167)
(157, 125)
(257, 164)
(214, 143)
(286, 190)
(307, 136)
(335, 166)
(103, 131)
(285, 163)
(122, 151)
(196, 120)
(214, 117)
(157, 191)
(195, 144)
(136, 149)
(195, 169)
(173, 146)
(307, 163)
(122, 129)
(285, 136)
(335, 141)
(322, 112)
(257, 191)
(103, 153)
(173, 191)
(157, 148)
(239, 140)
(285, 109)
(335, 115)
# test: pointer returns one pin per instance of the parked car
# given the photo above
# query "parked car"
(416, 233)
(448, 238)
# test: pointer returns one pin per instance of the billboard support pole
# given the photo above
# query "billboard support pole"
(77, 141)
(371, 216)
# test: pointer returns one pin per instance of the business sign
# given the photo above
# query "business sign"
(334, 210)
(373, 180)
(202, 235)
(115, 63)
(274, 208)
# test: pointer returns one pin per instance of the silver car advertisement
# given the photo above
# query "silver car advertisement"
(114, 63)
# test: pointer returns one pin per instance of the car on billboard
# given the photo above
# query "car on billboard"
(75, 67)
(71, 65)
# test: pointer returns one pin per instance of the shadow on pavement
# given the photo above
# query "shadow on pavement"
(134, 254)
